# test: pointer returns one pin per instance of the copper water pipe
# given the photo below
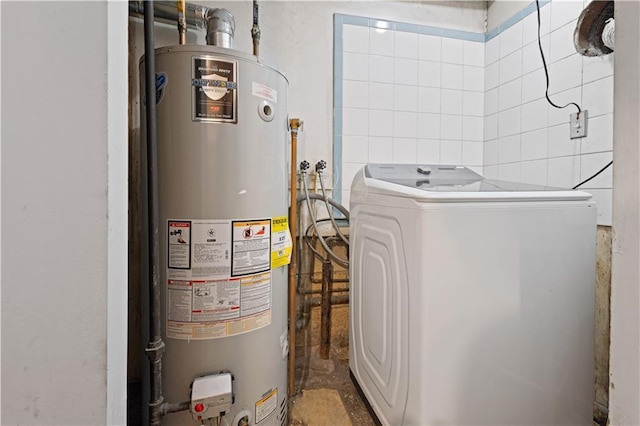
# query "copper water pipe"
(294, 124)
(182, 21)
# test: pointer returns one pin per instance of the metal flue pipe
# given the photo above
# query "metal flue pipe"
(155, 348)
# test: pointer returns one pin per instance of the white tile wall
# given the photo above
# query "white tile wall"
(510, 94)
(534, 146)
(405, 71)
(428, 151)
(451, 127)
(405, 124)
(509, 149)
(452, 51)
(534, 115)
(451, 152)
(428, 99)
(559, 116)
(595, 68)
(509, 122)
(531, 59)
(473, 104)
(473, 53)
(380, 69)
(405, 98)
(356, 94)
(561, 42)
(530, 25)
(380, 149)
(565, 74)
(405, 45)
(451, 101)
(591, 164)
(472, 128)
(490, 152)
(473, 78)
(404, 150)
(380, 95)
(511, 40)
(534, 172)
(355, 39)
(598, 96)
(600, 135)
(452, 76)
(564, 11)
(533, 86)
(411, 97)
(429, 48)
(510, 67)
(380, 41)
(429, 73)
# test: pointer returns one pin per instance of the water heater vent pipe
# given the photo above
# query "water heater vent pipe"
(221, 26)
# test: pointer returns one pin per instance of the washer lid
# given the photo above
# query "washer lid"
(433, 182)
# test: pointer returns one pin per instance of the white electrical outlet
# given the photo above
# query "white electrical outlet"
(578, 124)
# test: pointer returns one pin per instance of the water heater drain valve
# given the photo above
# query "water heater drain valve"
(211, 396)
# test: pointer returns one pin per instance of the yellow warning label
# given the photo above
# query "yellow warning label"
(280, 242)
(266, 405)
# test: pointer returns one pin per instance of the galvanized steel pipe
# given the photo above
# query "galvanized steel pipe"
(155, 348)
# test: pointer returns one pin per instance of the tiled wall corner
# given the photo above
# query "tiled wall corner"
(525, 138)
(410, 93)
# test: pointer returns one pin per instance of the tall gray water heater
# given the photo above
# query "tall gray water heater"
(222, 166)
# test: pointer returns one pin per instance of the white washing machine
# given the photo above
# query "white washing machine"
(472, 301)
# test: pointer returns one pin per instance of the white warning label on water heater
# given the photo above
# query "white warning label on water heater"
(218, 277)
(200, 309)
(266, 405)
(251, 247)
(199, 249)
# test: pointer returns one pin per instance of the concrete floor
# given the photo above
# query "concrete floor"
(325, 394)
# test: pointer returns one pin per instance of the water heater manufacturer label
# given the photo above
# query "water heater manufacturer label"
(214, 89)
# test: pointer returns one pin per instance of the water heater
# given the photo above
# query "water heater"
(222, 167)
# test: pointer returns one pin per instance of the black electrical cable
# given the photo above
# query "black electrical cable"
(546, 71)
(587, 180)
(546, 94)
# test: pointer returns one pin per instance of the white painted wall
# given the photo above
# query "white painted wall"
(499, 11)
(58, 269)
(624, 398)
